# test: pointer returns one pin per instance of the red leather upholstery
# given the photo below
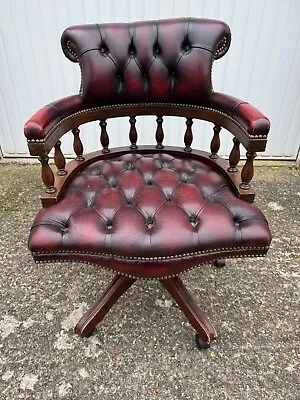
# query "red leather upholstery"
(152, 61)
(156, 61)
(148, 212)
(149, 216)
(255, 123)
(43, 120)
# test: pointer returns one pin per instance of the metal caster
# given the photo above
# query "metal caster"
(219, 263)
(201, 343)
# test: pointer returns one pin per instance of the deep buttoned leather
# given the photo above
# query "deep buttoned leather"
(156, 61)
(166, 61)
(149, 216)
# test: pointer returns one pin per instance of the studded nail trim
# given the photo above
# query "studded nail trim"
(70, 51)
(222, 47)
(153, 259)
(130, 105)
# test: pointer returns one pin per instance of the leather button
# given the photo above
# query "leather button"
(156, 50)
(109, 224)
(130, 166)
(90, 202)
(194, 220)
(131, 50)
(65, 229)
(103, 50)
(186, 47)
(169, 197)
(150, 222)
(111, 182)
(165, 165)
(184, 178)
(236, 222)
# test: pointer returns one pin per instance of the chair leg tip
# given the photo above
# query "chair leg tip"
(82, 333)
(201, 343)
(90, 333)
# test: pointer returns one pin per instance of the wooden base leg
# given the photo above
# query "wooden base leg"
(191, 310)
(103, 304)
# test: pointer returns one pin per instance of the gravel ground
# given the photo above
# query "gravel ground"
(252, 303)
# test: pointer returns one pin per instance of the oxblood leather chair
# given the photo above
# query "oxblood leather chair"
(149, 212)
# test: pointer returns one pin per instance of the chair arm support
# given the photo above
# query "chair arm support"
(252, 120)
(42, 121)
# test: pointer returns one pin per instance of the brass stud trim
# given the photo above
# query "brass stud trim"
(117, 256)
(153, 259)
(130, 105)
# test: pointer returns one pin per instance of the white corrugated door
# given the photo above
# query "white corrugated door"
(262, 66)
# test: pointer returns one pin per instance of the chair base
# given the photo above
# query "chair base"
(103, 304)
(120, 284)
(185, 301)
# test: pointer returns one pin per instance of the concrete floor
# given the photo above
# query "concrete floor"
(144, 349)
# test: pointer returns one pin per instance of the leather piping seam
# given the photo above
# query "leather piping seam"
(154, 259)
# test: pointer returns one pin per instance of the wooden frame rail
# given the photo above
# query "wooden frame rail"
(55, 184)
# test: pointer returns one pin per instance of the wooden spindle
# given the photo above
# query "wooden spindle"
(215, 143)
(234, 157)
(77, 145)
(247, 171)
(47, 174)
(133, 133)
(104, 139)
(59, 159)
(159, 133)
(188, 137)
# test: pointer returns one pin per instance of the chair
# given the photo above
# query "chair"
(155, 211)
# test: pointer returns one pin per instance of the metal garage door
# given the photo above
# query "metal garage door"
(262, 66)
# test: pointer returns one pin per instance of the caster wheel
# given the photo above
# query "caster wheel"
(219, 263)
(90, 333)
(201, 343)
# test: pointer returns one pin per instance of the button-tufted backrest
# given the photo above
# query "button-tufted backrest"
(154, 61)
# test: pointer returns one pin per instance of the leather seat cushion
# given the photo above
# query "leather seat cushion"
(149, 215)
